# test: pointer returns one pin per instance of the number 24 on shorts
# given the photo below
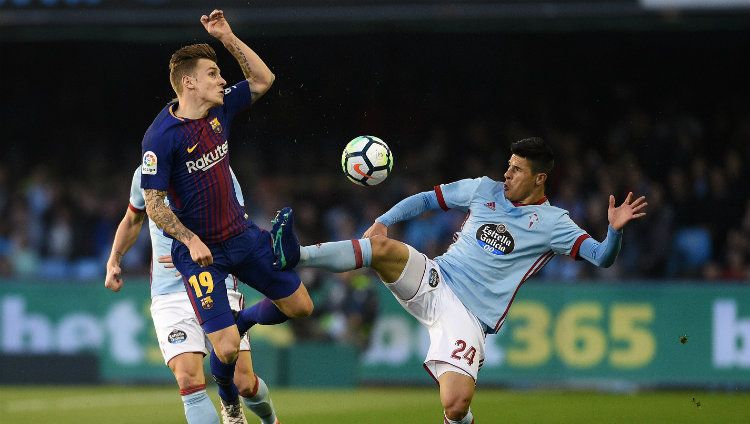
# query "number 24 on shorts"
(204, 279)
(468, 355)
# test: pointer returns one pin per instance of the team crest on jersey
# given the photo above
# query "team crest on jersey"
(434, 278)
(149, 163)
(216, 125)
(533, 219)
(177, 336)
(207, 302)
(496, 239)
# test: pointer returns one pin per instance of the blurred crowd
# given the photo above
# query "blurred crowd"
(684, 145)
(698, 223)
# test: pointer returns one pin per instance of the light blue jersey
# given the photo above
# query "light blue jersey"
(500, 245)
(163, 280)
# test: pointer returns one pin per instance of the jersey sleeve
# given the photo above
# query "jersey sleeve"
(237, 188)
(137, 202)
(457, 195)
(237, 98)
(567, 236)
(156, 166)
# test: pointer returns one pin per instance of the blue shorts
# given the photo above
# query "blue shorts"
(249, 257)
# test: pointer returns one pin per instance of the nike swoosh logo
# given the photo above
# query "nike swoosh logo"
(359, 171)
(190, 149)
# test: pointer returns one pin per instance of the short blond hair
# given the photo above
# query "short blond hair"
(183, 62)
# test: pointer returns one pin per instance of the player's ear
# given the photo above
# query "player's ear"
(188, 82)
(541, 178)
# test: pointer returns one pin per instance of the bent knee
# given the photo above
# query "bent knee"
(227, 353)
(301, 309)
(384, 247)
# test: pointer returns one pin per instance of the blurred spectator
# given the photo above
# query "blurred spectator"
(348, 312)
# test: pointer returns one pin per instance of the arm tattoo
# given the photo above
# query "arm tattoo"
(236, 51)
(163, 217)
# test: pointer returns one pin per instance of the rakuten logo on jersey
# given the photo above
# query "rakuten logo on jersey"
(208, 160)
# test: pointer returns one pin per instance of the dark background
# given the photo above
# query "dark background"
(653, 101)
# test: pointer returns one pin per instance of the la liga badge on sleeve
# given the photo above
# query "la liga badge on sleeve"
(149, 163)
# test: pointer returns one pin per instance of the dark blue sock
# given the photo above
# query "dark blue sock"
(224, 377)
(263, 312)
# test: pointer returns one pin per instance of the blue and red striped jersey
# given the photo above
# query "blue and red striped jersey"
(189, 159)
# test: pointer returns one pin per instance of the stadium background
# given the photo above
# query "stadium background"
(633, 96)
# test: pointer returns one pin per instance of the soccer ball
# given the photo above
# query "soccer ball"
(366, 160)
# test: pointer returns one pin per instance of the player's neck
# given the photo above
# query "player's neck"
(190, 109)
(534, 198)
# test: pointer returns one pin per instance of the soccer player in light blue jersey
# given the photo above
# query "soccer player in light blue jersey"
(182, 342)
(511, 231)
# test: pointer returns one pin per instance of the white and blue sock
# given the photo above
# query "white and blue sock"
(337, 256)
(198, 406)
(261, 403)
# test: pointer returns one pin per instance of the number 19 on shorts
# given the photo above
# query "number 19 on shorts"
(204, 279)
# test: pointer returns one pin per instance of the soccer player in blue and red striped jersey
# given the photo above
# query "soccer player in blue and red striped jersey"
(186, 158)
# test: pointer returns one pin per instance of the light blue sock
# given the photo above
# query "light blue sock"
(468, 419)
(337, 256)
(261, 404)
(199, 409)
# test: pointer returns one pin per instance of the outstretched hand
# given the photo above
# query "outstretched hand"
(216, 24)
(619, 216)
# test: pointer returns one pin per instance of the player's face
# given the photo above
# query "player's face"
(520, 181)
(209, 85)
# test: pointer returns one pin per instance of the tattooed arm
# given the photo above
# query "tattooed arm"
(165, 219)
(125, 237)
(255, 70)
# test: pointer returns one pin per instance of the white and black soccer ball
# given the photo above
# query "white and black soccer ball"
(366, 160)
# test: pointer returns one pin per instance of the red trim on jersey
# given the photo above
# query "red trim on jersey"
(535, 267)
(577, 245)
(358, 261)
(192, 389)
(538, 202)
(135, 210)
(441, 199)
(445, 419)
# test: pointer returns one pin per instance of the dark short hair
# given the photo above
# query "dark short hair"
(183, 62)
(537, 152)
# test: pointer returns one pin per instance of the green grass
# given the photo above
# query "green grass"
(162, 404)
